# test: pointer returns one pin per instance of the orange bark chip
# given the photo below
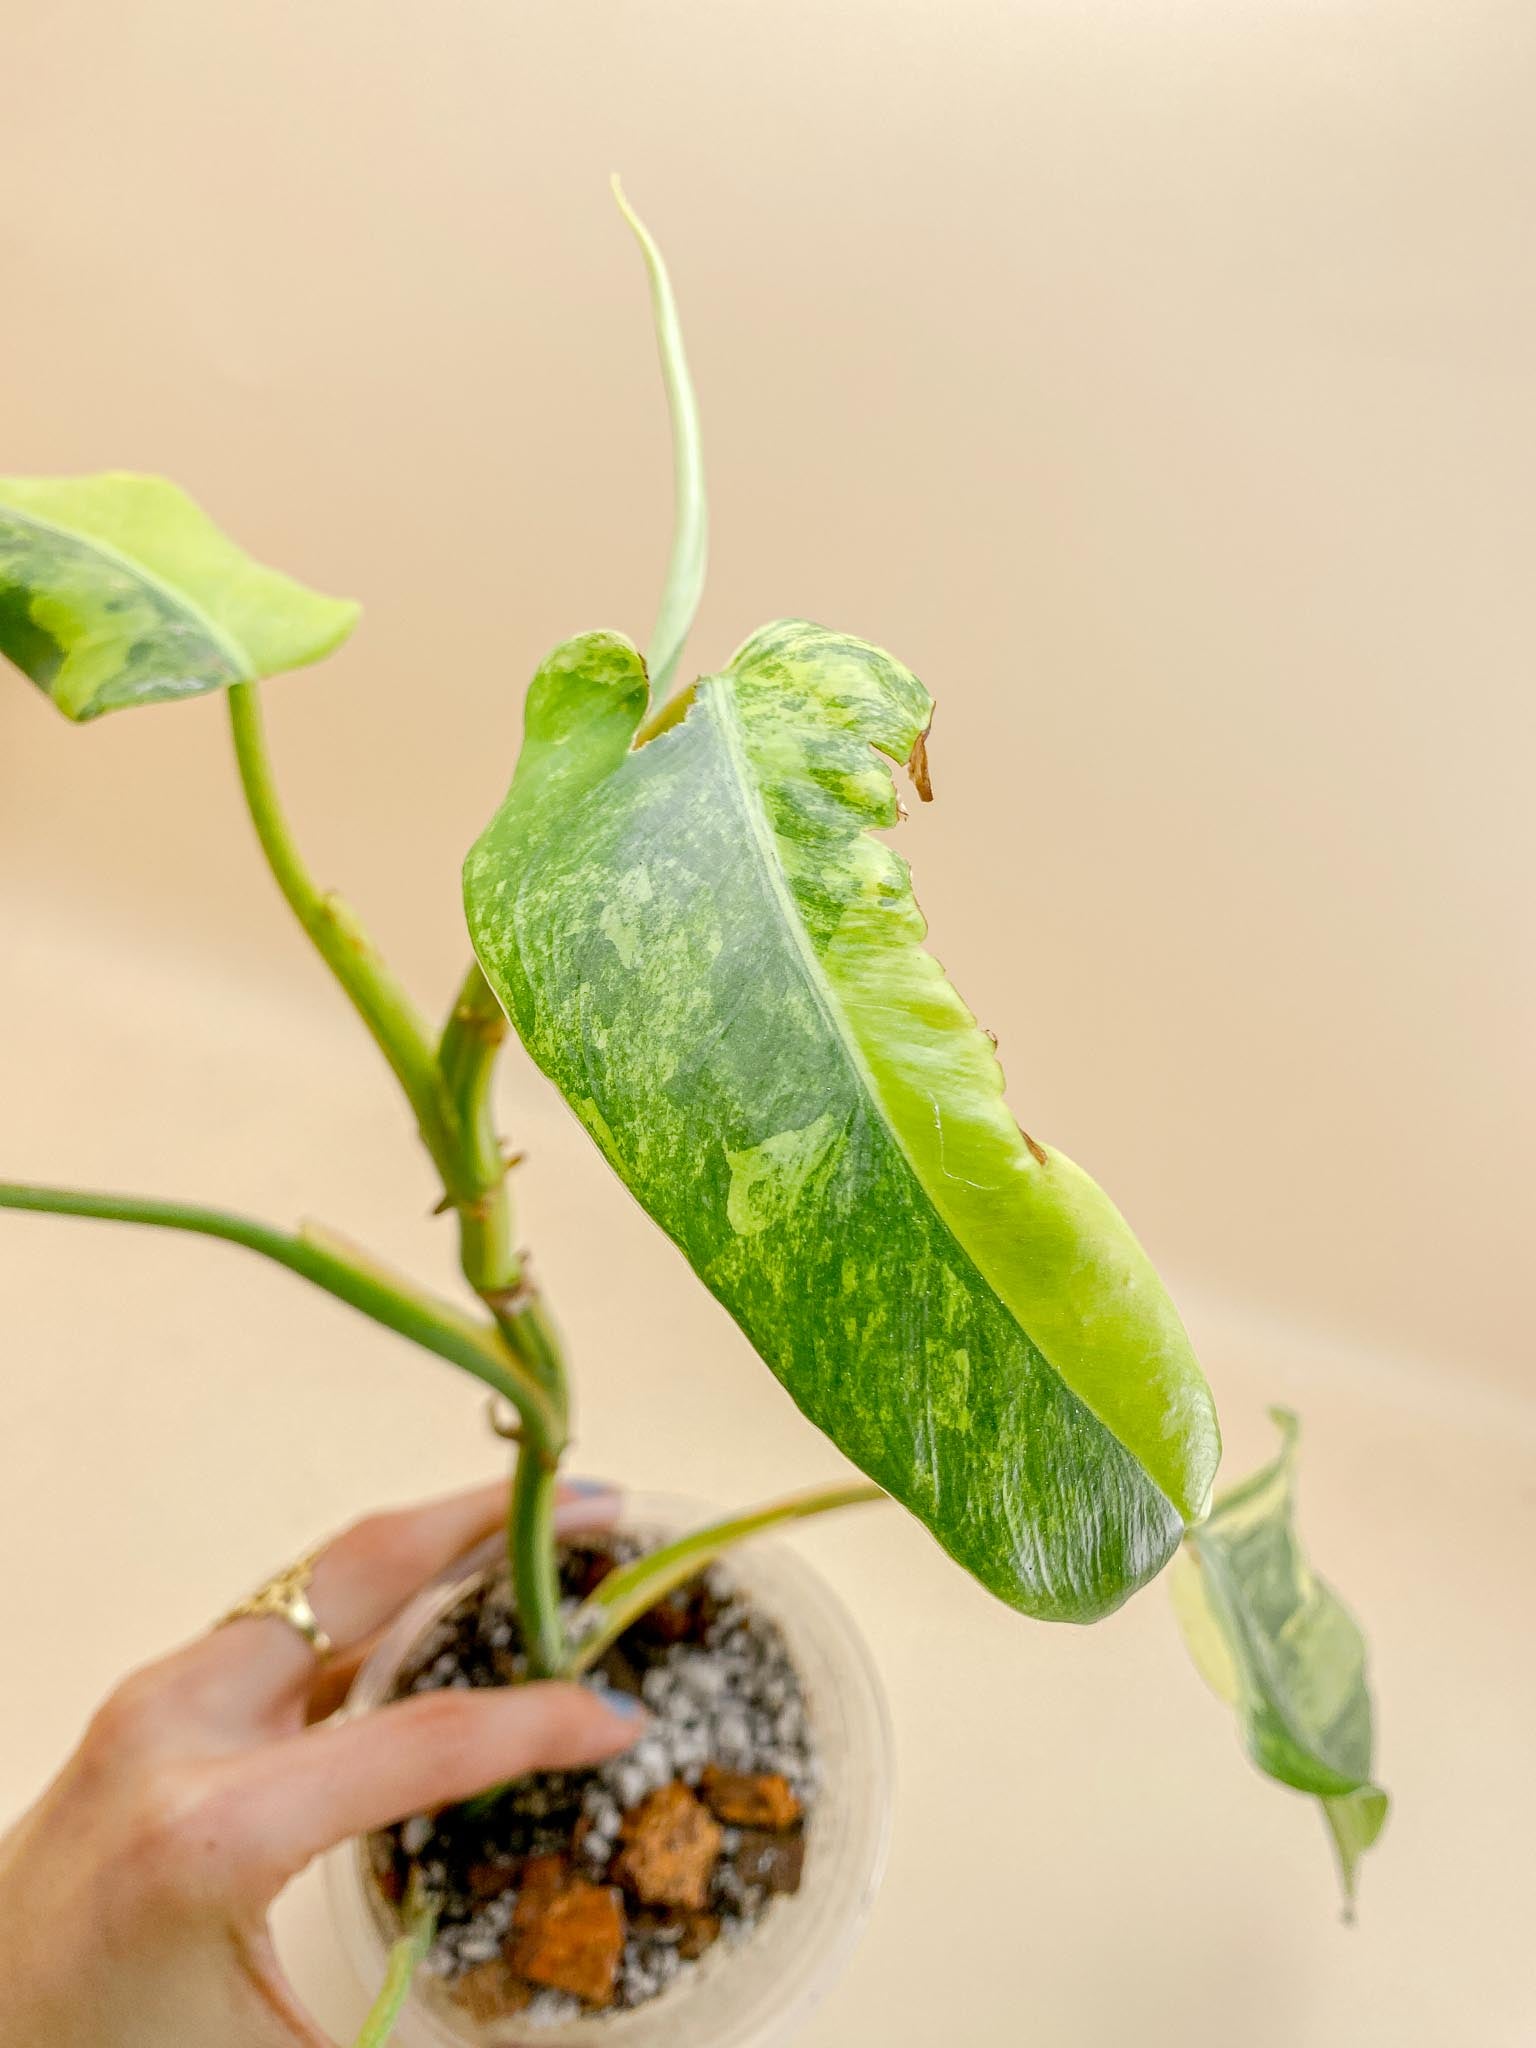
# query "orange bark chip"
(671, 1847)
(567, 1934)
(748, 1800)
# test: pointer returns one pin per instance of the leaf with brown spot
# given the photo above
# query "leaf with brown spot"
(702, 938)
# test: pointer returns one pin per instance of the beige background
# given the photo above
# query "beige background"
(1156, 376)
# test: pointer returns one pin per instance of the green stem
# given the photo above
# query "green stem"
(448, 1084)
(386, 1297)
(449, 1087)
(634, 1589)
(531, 1557)
(470, 1043)
(471, 1040)
(379, 999)
(467, 1053)
(405, 1958)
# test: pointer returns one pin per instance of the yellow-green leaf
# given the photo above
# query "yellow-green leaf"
(702, 942)
(118, 590)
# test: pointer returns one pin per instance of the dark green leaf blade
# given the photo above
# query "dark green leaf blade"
(118, 590)
(703, 945)
(1275, 1642)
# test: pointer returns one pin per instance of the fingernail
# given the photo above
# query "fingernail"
(625, 1705)
(587, 1489)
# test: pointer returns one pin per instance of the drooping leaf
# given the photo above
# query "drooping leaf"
(1278, 1645)
(703, 945)
(118, 590)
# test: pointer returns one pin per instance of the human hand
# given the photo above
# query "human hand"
(134, 1895)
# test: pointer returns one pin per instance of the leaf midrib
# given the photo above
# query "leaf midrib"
(177, 598)
(765, 840)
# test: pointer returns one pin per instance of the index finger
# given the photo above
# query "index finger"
(288, 1801)
(248, 1676)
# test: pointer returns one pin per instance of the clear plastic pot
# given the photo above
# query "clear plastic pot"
(755, 1994)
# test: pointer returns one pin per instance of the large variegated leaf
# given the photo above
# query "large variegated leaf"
(117, 590)
(701, 942)
(1278, 1645)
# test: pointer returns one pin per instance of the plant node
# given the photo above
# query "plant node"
(509, 1430)
(513, 1300)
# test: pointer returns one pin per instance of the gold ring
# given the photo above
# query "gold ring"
(286, 1597)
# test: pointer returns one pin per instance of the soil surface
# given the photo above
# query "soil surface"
(582, 1891)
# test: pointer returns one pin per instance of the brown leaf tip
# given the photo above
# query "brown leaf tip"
(917, 768)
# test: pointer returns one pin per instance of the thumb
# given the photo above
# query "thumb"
(295, 1798)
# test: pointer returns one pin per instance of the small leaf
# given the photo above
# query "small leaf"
(118, 590)
(1277, 1644)
(702, 943)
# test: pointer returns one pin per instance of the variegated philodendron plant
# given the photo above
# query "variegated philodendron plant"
(683, 910)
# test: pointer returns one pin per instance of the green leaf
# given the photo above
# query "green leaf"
(700, 941)
(118, 590)
(1278, 1645)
